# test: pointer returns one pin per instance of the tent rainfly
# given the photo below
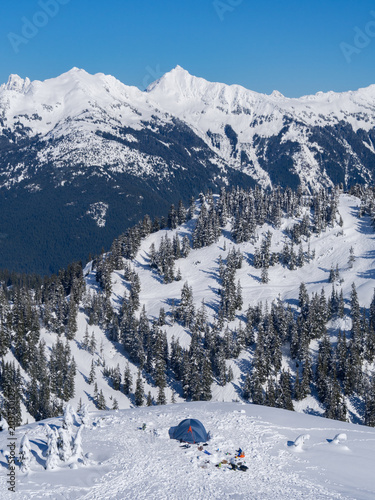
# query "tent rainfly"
(190, 431)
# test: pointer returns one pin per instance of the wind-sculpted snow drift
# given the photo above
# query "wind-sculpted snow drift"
(81, 140)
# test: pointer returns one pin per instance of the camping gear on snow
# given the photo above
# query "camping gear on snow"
(189, 430)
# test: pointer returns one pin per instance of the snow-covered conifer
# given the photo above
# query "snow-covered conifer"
(52, 451)
(25, 454)
(68, 418)
(85, 415)
(77, 444)
(63, 444)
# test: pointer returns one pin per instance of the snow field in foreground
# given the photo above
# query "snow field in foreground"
(124, 461)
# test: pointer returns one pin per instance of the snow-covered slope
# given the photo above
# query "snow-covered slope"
(120, 460)
(201, 270)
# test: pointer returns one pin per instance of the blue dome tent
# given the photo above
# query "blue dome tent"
(190, 431)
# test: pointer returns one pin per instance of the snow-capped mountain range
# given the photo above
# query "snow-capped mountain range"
(80, 140)
(76, 109)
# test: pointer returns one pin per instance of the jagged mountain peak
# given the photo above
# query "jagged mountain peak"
(176, 80)
(16, 83)
(277, 95)
(182, 86)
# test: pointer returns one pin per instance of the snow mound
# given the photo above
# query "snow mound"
(300, 441)
(339, 438)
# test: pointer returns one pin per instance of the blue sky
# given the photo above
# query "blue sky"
(292, 46)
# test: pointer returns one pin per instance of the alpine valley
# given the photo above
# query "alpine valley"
(83, 157)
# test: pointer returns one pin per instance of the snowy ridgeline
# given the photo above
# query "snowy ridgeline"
(248, 296)
(128, 454)
(96, 120)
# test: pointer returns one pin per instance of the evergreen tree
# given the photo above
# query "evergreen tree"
(332, 275)
(256, 393)
(161, 320)
(116, 378)
(92, 376)
(181, 213)
(303, 300)
(52, 451)
(161, 399)
(92, 344)
(270, 396)
(185, 310)
(307, 377)
(370, 404)
(172, 218)
(247, 387)
(128, 380)
(284, 397)
(63, 444)
(298, 395)
(206, 379)
(351, 258)
(264, 275)
(300, 257)
(149, 401)
(334, 401)
(77, 444)
(86, 339)
(96, 392)
(323, 368)
(71, 328)
(68, 419)
(341, 305)
(185, 250)
(139, 391)
(101, 403)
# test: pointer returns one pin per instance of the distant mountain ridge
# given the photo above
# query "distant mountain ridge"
(77, 142)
